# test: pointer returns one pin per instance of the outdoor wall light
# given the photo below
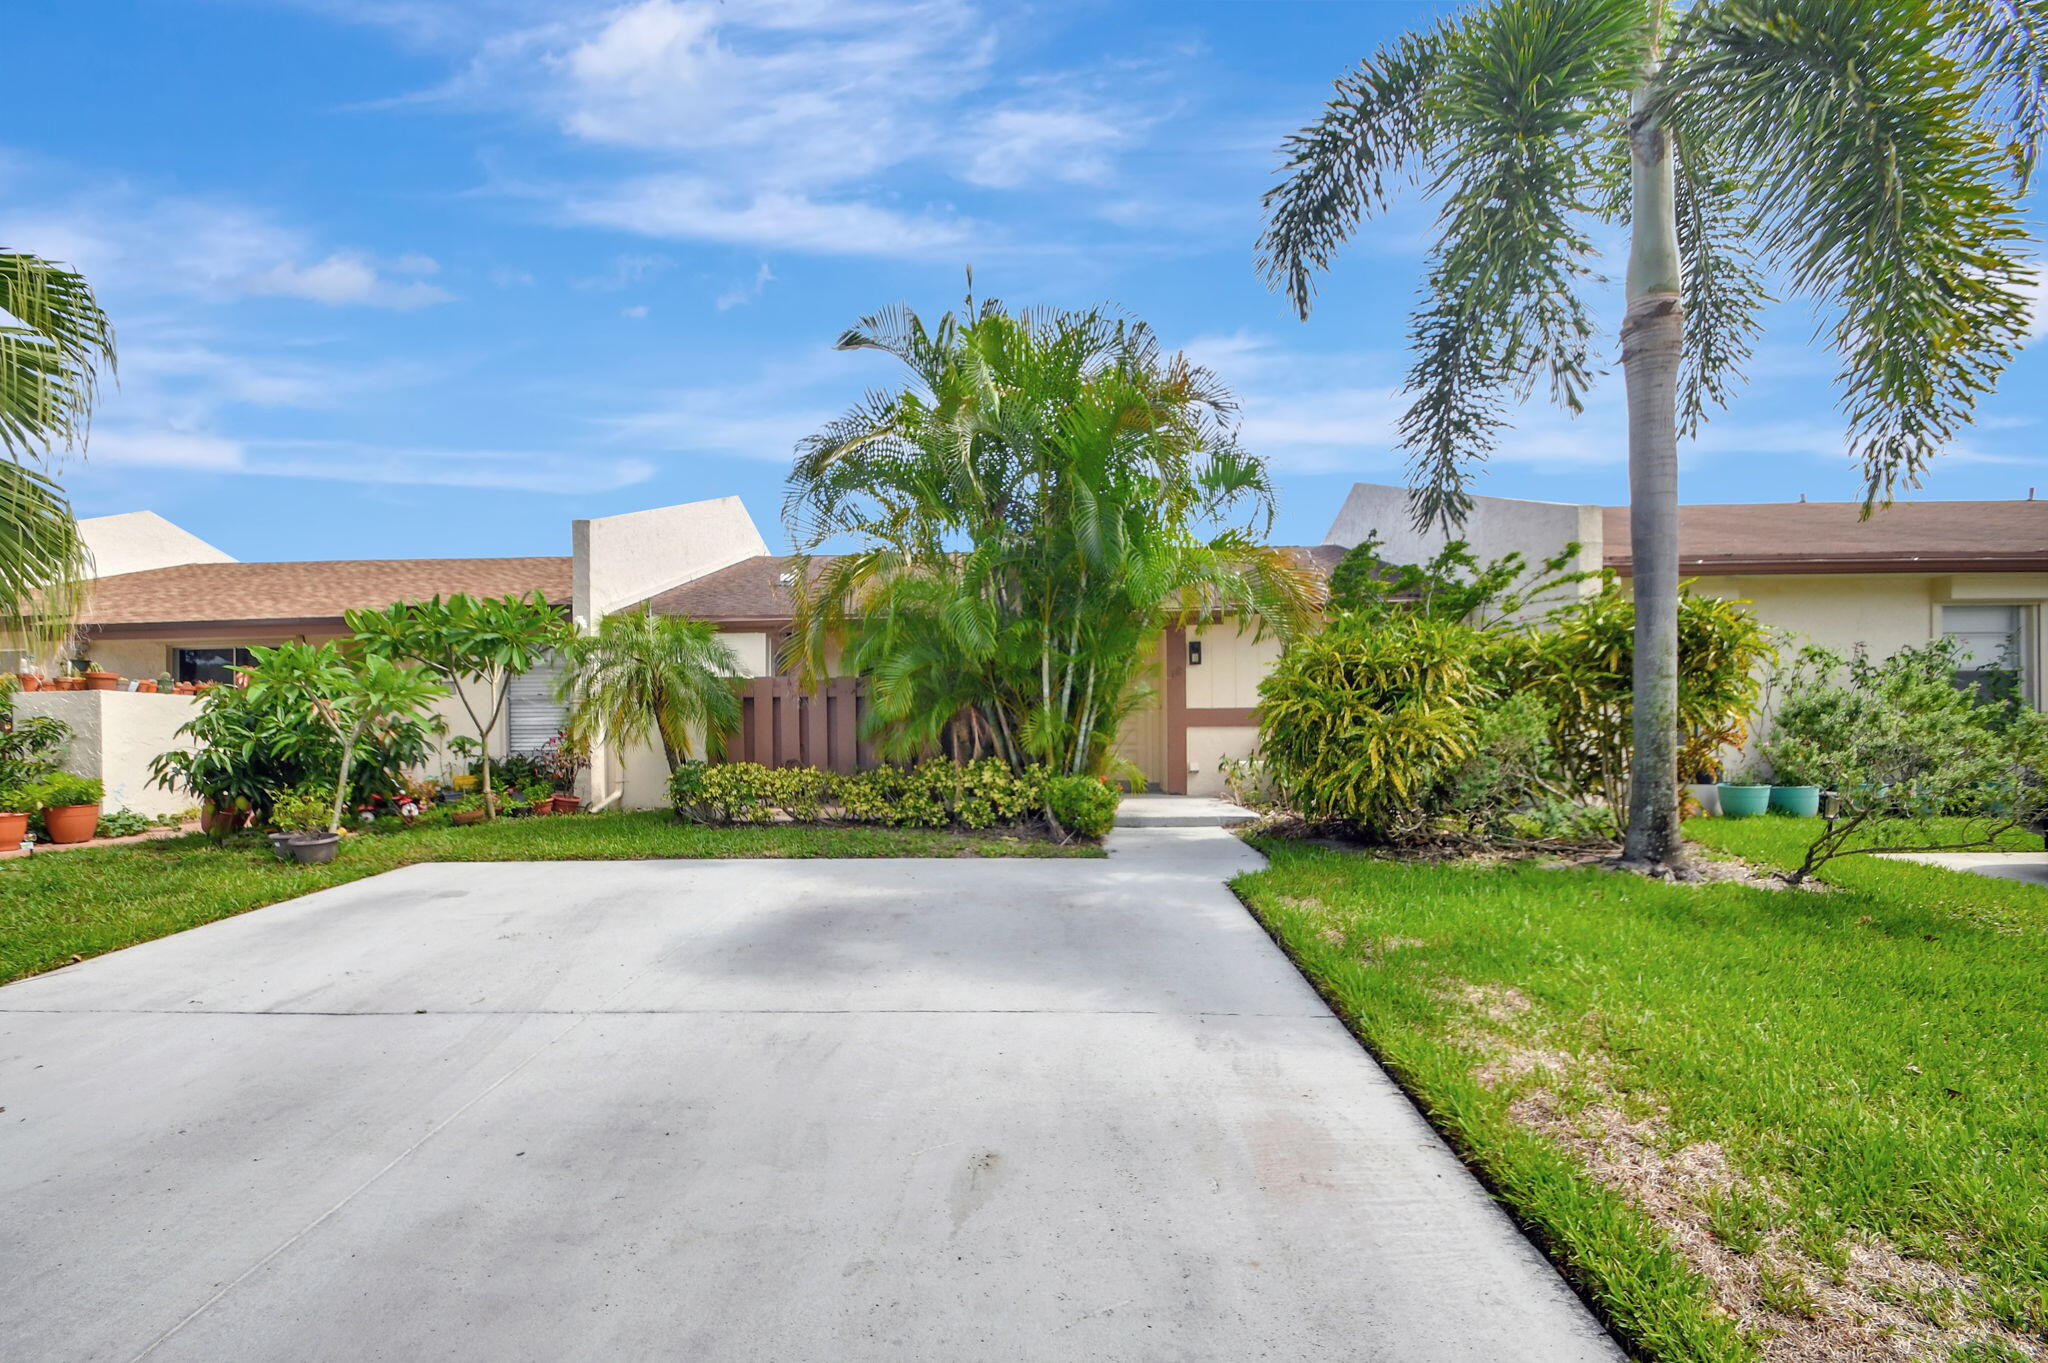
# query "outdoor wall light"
(1194, 653)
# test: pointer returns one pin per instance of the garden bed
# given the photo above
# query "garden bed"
(1748, 1125)
(58, 909)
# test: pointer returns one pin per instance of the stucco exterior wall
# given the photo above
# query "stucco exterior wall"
(1233, 664)
(1207, 749)
(1496, 526)
(114, 736)
(621, 560)
(137, 541)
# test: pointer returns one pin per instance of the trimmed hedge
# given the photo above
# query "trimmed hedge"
(933, 794)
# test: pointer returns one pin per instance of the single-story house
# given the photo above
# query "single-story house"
(1974, 570)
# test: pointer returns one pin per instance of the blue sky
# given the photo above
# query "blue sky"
(432, 277)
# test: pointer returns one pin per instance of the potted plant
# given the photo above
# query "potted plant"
(1796, 776)
(94, 677)
(71, 806)
(1743, 797)
(29, 681)
(302, 817)
(467, 810)
(17, 806)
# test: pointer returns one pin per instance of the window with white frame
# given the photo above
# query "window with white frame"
(1990, 641)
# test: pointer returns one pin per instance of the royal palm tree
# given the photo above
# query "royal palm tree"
(53, 342)
(641, 677)
(1864, 154)
(1048, 492)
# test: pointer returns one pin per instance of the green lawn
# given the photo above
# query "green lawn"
(60, 906)
(1749, 1123)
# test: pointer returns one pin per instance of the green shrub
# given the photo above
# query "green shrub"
(122, 823)
(1362, 723)
(302, 811)
(933, 794)
(30, 749)
(1081, 806)
(1901, 745)
(61, 789)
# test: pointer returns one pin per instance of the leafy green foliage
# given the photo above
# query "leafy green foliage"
(1047, 492)
(30, 748)
(1902, 746)
(254, 742)
(62, 789)
(300, 811)
(54, 340)
(986, 793)
(1580, 665)
(641, 677)
(1081, 806)
(1362, 722)
(1454, 584)
(484, 641)
(1406, 718)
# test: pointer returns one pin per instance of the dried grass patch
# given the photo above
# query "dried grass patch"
(1859, 1301)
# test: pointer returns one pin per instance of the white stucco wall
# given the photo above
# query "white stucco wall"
(1496, 526)
(1206, 750)
(620, 560)
(114, 736)
(137, 541)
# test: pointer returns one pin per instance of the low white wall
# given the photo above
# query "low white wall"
(114, 734)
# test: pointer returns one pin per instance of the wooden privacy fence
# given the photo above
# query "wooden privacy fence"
(783, 725)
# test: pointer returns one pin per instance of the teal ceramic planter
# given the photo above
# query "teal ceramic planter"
(1743, 802)
(1801, 801)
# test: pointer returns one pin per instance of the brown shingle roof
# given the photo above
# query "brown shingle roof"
(1832, 537)
(241, 592)
(752, 591)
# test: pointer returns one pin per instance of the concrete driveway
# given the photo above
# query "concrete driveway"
(806, 1110)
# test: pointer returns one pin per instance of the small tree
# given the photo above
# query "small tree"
(372, 698)
(483, 640)
(642, 676)
(1900, 745)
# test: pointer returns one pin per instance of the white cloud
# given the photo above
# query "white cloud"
(625, 271)
(637, 310)
(1020, 145)
(128, 241)
(358, 462)
(682, 205)
(347, 277)
(739, 295)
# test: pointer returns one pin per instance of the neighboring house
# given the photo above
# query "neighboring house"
(1204, 680)
(1906, 575)
(195, 614)
(1977, 571)
(137, 541)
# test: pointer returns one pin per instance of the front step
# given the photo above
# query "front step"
(1179, 811)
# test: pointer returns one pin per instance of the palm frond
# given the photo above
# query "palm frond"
(1880, 196)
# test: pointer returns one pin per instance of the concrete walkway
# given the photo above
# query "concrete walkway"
(2029, 867)
(804, 1110)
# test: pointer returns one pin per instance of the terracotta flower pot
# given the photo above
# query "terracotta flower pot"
(31, 682)
(71, 684)
(222, 822)
(71, 823)
(147, 688)
(97, 680)
(12, 828)
(567, 804)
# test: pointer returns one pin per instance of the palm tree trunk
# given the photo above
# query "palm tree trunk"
(1651, 339)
